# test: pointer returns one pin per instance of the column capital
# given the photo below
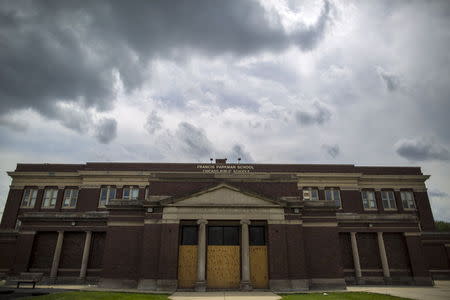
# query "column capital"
(61, 231)
(380, 233)
(247, 222)
(353, 233)
(202, 221)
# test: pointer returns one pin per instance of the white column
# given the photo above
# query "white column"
(245, 264)
(200, 285)
(355, 256)
(56, 256)
(384, 261)
(85, 259)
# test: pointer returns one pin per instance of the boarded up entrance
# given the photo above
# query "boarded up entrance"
(187, 257)
(259, 270)
(187, 266)
(258, 267)
(224, 265)
(223, 257)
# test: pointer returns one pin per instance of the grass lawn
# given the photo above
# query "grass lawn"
(98, 296)
(340, 296)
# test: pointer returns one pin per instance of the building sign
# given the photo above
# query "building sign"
(225, 169)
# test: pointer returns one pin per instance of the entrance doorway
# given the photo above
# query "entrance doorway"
(187, 257)
(223, 257)
(259, 269)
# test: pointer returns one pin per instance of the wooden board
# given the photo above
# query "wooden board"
(259, 271)
(187, 266)
(223, 267)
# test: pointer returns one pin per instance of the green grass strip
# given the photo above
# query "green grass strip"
(98, 296)
(339, 296)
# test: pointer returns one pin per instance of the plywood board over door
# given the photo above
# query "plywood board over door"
(259, 270)
(187, 266)
(223, 267)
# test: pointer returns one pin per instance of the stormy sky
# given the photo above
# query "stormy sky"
(359, 82)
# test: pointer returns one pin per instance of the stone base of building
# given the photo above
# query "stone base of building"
(327, 283)
(397, 280)
(289, 285)
(166, 285)
(147, 284)
(115, 283)
(426, 281)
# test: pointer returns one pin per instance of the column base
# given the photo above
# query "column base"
(246, 286)
(200, 286)
(51, 280)
(81, 280)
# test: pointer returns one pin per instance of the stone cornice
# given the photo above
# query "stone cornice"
(354, 217)
(65, 216)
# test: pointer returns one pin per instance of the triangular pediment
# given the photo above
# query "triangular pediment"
(224, 195)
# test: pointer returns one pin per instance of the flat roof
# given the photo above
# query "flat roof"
(197, 167)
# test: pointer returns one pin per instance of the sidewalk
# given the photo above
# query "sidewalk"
(441, 291)
(227, 295)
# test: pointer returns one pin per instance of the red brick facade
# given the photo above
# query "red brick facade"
(133, 243)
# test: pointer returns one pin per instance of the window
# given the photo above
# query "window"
(408, 200)
(130, 193)
(107, 193)
(369, 201)
(257, 235)
(332, 194)
(50, 196)
(70, 198)
(18, 224)
(29, 198)
(388, 200)
(147, 189)
(310, 194)
(223, 235)
(189, 235)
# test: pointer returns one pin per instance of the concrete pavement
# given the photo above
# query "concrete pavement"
(226, 295)
(441, 291)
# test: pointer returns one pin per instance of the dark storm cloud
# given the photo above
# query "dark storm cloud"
(73, 51)
(318, 114)
(153, 122)
(332, 150)
(75, 118)
(193, 141)
(420, 149)
(106, 130)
